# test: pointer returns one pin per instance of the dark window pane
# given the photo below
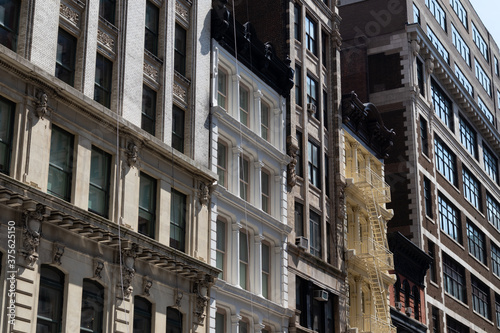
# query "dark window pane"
(100, 168)
(50, 300)
(103, 77)
(151, 32)
(60, 164)
(9, 23)
(178, 128)
(7, 109)
(174, 321)
(148, 110)
(142, 315)
(178, 220)
(92, 307)
(147, 205)
(65, 59)
(107, 10)
(180, 50)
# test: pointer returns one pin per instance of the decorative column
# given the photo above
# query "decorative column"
(234, 267)
(357, 227)
(257, 265)
(235, 183)
(256, 116)
(235, 101)
(256, 187)
(235, 323)
(358, 283)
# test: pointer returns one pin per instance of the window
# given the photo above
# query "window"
(454, 279)
(244, 178)
(495, 259)
(497, 309)
(450, 219)
(243, 259)
(180, 50)
(435, 320)
(222, 89)
(9, 23)
(446, 161)
(222, 163)
(468, 137)
(454, 326)
(264, 121)
(174, 320)
(432, 253)
(315, 233)
(151, 31)
(178, 128)
(220, 322)
(310, 35)
(50, 300)
(178, 221)
(480, 297)
(266, 203)
(496, 68)
(482, 77)
(100, 168)
(460, 11)
(416, 14)
(314, 164)
(464, 81)
(493, 211)
(92, 307)
(327, 182)
(460, 44)
(103, 77)
(266, 270)
(148, 121)
(243, 326)
(142, 315)
(490, 163)
(437, 11)
(147, 205)
(7, 109)
(442, 105)
(312, 96)
(407, 292)
(296, 22)
(244, 105)
(220, 247)
(428, 197)
(479, 41)
(299, 219)
(298, 85)
(325, 109)
(324, 48)
(437, 43)
(61, 163)
(107, 10)
(485, 110)
(420, 77)
(65, 58)
(472, 189)
(424, 139)
(476, 242)
(299, 166)
(314, 315)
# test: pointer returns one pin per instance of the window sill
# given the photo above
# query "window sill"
(453, 240)
(484, 318)
(434, 284)
(448, 181)
(479, 261)
(430, 219)
(457, 300)
(474, 207)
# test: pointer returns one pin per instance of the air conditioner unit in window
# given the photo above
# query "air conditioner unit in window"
(302, 243)
(408, 311)
(399, 306)
(321, 295)
(311, 108)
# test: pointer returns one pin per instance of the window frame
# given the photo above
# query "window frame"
(107, 10)
(222, 88)
(312, 92)
(9, 33)
(244, 259)
(482, 77)
(298, 85)
(222, 168)
(266, 191)
(459, 9)
(152, 27)
(266, 270)
(297, 19)
(178, 227)
(244, 106)
(472, 189)
(428, 197)
(66, 169)
(468, 137)
(311, 34)
(495, 259)
(180, 49)
(66, 64)
(7, 115)
(424, 136)
(477, 242)
(265, 111)
(94, 296)
(315, 243)
(314, 163)
(106, 159)
(103, 85)
(454, 279)
(480, 298)
(52, 289)
(220, 247)
(446, 161)
(244, 177)
(175, 325)
(142, 314)
(148, 113)
(493, 211)
(442, 105)
(460, 44)
(150, 224)
(178, 128)
(490, 163)
(479, 41)
(438, 12)
(449, 217)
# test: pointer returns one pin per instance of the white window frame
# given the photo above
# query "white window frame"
(460, 44)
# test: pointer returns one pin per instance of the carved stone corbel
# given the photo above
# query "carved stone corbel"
(292, 148)
(98, 267)
(132, 154)
(200, 289)
(32, 231)
(42, 106)
(204, 193)
(147, 283)
(128, 269)
(58, 251)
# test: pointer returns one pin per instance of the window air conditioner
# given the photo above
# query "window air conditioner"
(408, 311)
(321, 295)
(311, 107)
(399, 306)
(302, 243)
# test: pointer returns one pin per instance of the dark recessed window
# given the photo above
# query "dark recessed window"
(178, 220)
(428, 197)
(180, 50)
(299, 219)
(178, 124)
(65, 59)
(312, 96)
(265, 182)
(220, 258)
(298, 85)
(446, 161)
(244, 260)
(9, 23)
(7, 109)
(424, 138)
(151, 32)
(107, 10)
(174, 321)
(450, 219)
(442, 105)
(490, 163)
(60, 164)
(454, 279)
(420, 77)
(244, 178)
(313, 158)
(142, 315)
(315, 233)
(480, 297)
(476, 241)
(92, 307)
(296, 23)
(103, 77)
(147, 205)
(493, 211)
(472, 189)
(50, 300)
(100, 168)
(311, 35)
(148, 122)
(299, 166)
(468, 137)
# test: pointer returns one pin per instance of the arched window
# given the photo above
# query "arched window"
(142, 315)
(50, 300)
(92, 306)
(416, 302)
(407, 291)
(174, 321)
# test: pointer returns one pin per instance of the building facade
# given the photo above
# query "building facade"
(432, 70)
(249, 230)
(105, 211)
(369, 261)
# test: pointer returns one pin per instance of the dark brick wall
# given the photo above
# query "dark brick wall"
(354, 69)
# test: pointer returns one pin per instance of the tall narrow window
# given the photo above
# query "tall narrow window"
(220, 258)
(180, 50)
(174, 320)
(460, 45)
(311, 35)
(480, 297)
(264, 121)
(222, 163)
(416, 14)
(244, 105)
(243, 325)
(472, 189)
(298, 166)
(92, 307)
(428, 197)
(327, 181)
(450, 219)
(436, 328)
(107, 10)
(477, 244)
(324, 48)
(497, 310)
(9, 23)
(7, 109)
(416, 302)
(437, 43)
(178, 211)
(244, 179)
(312, 96)
(446, 161)
(325, 109)
(142, 315)
(424, 139)
(100, 168)
(420, 77)
(315, 231)
(463, 80)
(468, 137)
(432, 253)
(460, 11)
(148, 119)
(65, 58)
(61, 163)
(495, 259)
(482, 77)
(265, 186)
(222, 89)
(299, 219)
(454, 279)
(151, 30)
(243, 259)
(314, 164)
(485, 110)
(220, 322)
(178, 124)
(50, 300)
(442, 105)
(490, 163)
(437, 11)
(147, 205)
(479, 41)
(103, 77)
(297, 22)
(493, 211)
(266, 269)
(298, 85)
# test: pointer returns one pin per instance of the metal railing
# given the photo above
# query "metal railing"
(372, 324)
(369, 248)
(367, 176)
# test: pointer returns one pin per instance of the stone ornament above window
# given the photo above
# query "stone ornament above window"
(182, 11)
(69, 14)
(105, 39)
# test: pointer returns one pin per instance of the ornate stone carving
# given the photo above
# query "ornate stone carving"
(200, 289)
(178, 298)
(69, 14)
(151, 71)
(132, 154)
(128, 269)
(147, 283)
(292, 149)
(42, 105)
(429, 65)
(98, 267)
(182, 11)
(32, 230)
(58, 252)
(105, 39)
(180, 92)
(415, 47)
(204, 193)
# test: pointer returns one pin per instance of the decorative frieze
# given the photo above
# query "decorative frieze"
(182, 11)
(151, 71)
(105, 39)
(180, 92)
(70, 14)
